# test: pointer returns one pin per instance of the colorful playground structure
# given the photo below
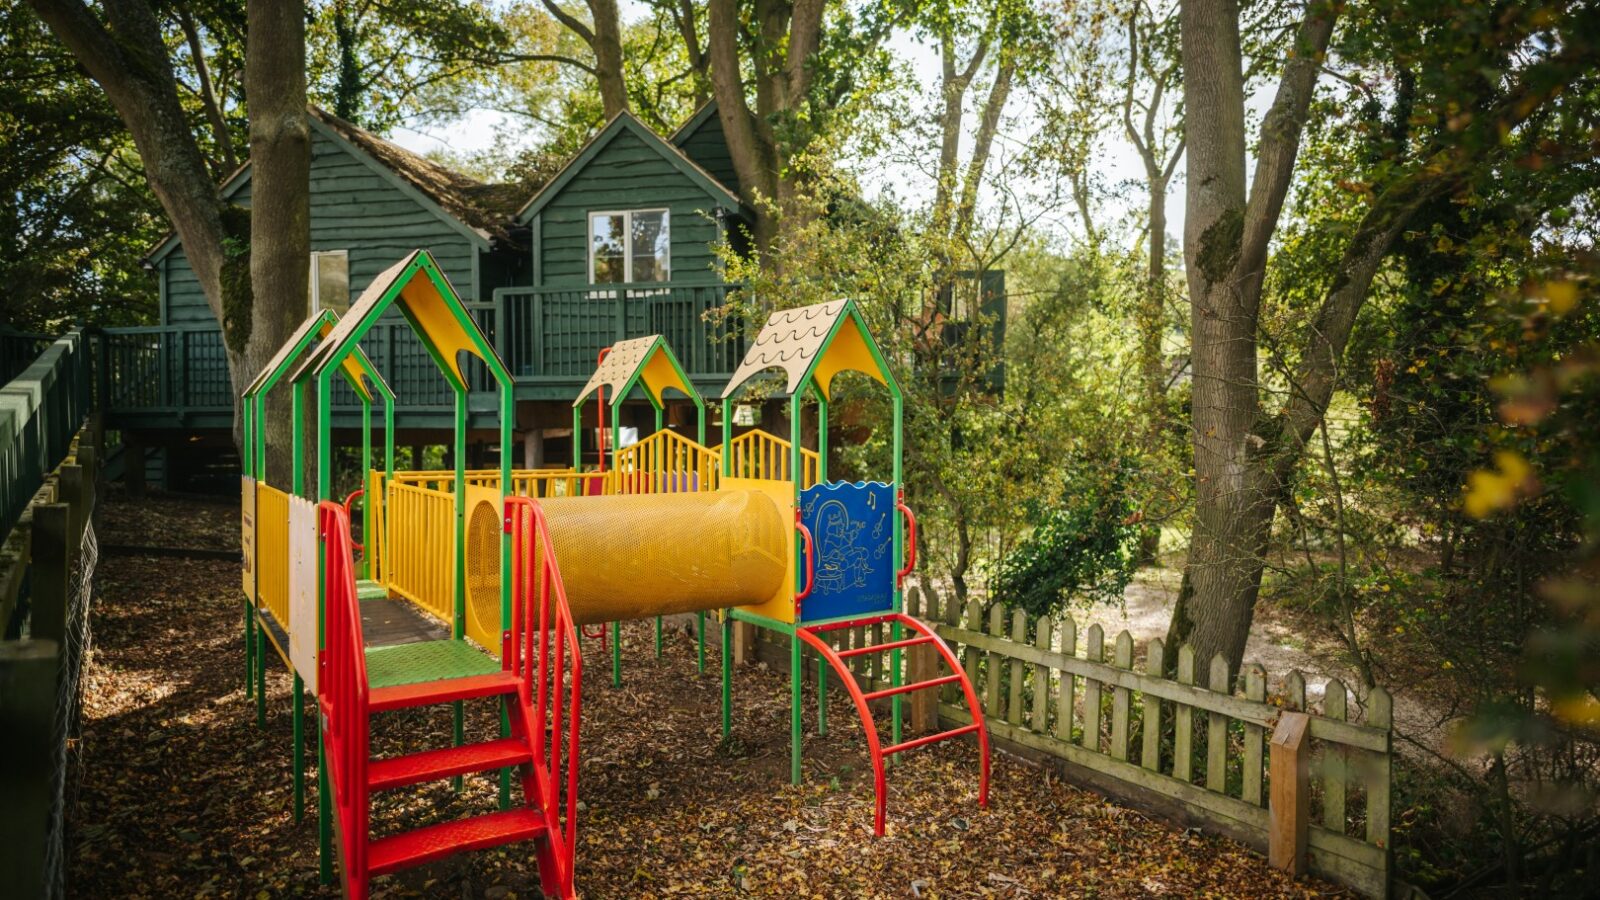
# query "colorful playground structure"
(475, 584)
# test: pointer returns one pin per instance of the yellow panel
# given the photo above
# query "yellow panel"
(780, 604)
(272, 552)
(483, 567)
(660, 374)
(352, 368)
(847, 353)
(433, 315)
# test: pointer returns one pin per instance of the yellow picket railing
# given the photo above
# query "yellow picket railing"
(420, 525)
(756, 454)
(664, 463)
(272, 552)
(537, 483)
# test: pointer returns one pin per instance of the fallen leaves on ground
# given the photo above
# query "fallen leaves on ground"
(182, 795)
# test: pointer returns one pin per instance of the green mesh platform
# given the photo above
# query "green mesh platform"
(426, 661)
(370, 590)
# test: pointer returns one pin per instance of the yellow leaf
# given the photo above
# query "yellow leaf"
(1562, 296)
(1490, 491)
(1579, 709)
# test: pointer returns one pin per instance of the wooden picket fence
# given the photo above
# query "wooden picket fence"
(1198, 756)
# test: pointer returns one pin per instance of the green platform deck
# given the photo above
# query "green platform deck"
(404, 644)
(426, 661)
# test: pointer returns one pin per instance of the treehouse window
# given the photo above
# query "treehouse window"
(330, 281)
(629, 246)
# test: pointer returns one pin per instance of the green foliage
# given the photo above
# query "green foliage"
(77, 217)
(1082, 546)
(238, 294)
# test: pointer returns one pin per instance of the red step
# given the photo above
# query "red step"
(879, 648)
(435, 842)
(924, 741)
(448, 690)
(914, 686)
(433, 765)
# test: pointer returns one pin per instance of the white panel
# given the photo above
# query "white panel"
(247, 534)
(303, 590)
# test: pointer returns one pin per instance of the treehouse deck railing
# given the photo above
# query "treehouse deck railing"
(1197, 755)
(177, 375)
(554, 333)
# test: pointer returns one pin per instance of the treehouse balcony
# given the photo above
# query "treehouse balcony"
(175, 377)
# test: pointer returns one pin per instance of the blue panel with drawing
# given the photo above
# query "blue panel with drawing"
(853, 526)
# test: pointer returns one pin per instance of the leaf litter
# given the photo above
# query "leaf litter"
(182, 795)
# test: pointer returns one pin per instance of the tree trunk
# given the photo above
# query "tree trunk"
(280, 210)
(1226, 240)
(983, 141)
(1151, 322)
(607, 46)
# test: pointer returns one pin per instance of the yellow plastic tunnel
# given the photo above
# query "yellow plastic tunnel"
(634, 557)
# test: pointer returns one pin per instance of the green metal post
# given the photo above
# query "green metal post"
(458, 628)
(508, 418)
(324, 492)
(658, 618)
(616, 654)
(299, 760)
(297, 451)
(700, 635)
(727, 675)
(899, 538)
(366, 465)
(577, 439)
(261, 676)
(727, 618)
(822, 478)
(796, 675)
(249, 650)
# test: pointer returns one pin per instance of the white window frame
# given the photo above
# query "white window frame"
(627, 244)
(315, 293)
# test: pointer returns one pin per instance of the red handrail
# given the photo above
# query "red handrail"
(911, 536)
(811, 564)
(342, 692)
(537, 589)
(348, 502)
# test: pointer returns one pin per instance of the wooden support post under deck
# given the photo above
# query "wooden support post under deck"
(133, 464)
(744, 642)
(1290, 806)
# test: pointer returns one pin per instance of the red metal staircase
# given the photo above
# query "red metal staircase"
(533, 684)
(863, 699)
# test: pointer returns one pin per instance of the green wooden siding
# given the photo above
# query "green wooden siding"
(353, 208)
(627, 174)
(709, 150)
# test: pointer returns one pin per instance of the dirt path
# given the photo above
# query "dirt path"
(180, 794)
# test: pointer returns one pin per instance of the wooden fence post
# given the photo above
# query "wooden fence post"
(1289, 813)
(51, 571)
(922, 661)
(28, 677)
